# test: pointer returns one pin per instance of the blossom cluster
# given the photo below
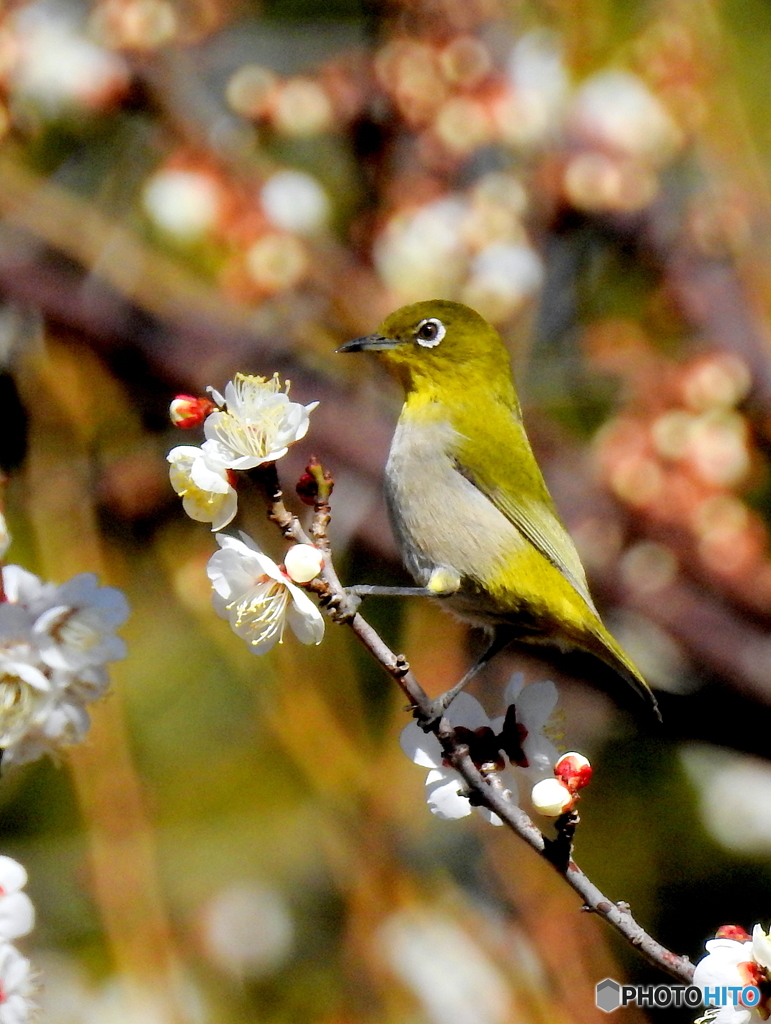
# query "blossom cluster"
(520, 737)
(252, 424)
(17, 918)
(735, 959)
(55, 642)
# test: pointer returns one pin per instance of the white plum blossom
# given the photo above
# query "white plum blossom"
(537, 73)
(255, 423)
(203, 483)
(22, 587)
(16, 1005)
(247, 929)
(502, 275)
(17, 915)
(57, 67)
(524, 724)
(17, 918)
(257, 598)
(615, 110)
(89, 684)
(733, 961)
(451, 972)
(421, 252)
(54, 642)
(761, 947)
(5, 536)
(445, 788)
(63, 722)
(77, 631)
(518, 735)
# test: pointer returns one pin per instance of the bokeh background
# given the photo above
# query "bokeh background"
(194, 187)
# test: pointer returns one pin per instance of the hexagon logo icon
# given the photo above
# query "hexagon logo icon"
(608, 995)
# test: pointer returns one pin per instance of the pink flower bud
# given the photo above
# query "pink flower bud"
(551, 798)
(573, 770)
(186, 411)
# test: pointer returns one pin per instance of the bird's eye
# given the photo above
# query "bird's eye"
(430, 332)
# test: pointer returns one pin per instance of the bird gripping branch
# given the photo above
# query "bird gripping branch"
(468, 503)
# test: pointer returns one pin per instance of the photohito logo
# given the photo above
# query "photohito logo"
(609, 995)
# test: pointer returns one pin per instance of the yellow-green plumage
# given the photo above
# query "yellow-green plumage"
(468, 502)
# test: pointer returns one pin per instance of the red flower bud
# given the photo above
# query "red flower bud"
(186, 411)
(574, 770)
(732, 931)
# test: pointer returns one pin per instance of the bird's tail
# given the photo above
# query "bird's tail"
(616, 658)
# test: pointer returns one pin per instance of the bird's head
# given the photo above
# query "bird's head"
(439, 346)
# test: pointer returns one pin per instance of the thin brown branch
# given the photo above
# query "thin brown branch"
(617, 915)
(557, 852)
(331, 592)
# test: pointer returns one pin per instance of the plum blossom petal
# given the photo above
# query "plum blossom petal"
(54, 642)
(761, 947)
(445, 794)
(720, 965)
(24, 683)
(64, 722)
(534, 705)
(5, 536)
(17, 915)
(24, 588)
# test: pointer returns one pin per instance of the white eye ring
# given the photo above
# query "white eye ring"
(430, 332)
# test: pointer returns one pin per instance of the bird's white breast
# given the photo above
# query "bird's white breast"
(440, 518)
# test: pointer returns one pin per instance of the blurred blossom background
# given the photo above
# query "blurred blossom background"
(189, 188)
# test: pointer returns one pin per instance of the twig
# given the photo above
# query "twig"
(332, 593)
(616, 914)
(558, 851)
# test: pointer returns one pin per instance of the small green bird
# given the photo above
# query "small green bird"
(469, 506)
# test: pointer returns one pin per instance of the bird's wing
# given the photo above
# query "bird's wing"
(517, 489)
(510, 479)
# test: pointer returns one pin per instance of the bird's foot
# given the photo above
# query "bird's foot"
(365, 590)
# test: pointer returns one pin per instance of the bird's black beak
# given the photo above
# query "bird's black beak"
(369, 343)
